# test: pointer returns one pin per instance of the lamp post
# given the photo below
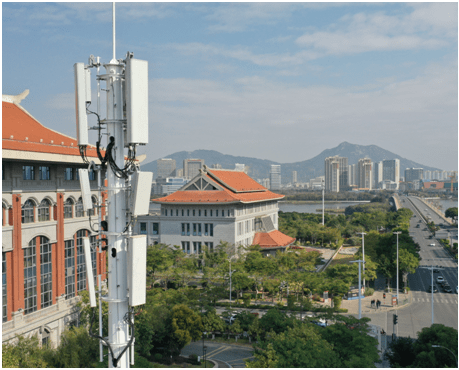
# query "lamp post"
(397, 233)
(360, 288)
(323, 203)
(230, 275)
(438, 346)
(363, 256)
(431, 268)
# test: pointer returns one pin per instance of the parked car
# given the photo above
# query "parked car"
(322, 323)
(436, 269)
(447, 289)
(432, 244)
(429, 289)
(440, 279)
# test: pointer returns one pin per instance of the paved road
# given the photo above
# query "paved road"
(419, 313)
(231, 354)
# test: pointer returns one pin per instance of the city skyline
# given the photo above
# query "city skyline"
(246, 78)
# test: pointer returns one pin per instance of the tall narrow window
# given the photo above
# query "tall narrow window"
(79, 210)
(46, 273)
(92, 174)
(68, 173)
(68, 208)
(44, 173)
(30, 277)
(156, 228)
(81, 264)
(69, 269)
(4, 295)
(28, 173)
(143, 228)
(43, 210)
(195, 229)
(28, 211)
(93, 241)
(211, 229)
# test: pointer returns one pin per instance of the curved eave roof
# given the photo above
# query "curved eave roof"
(273, 239)
(215, 197)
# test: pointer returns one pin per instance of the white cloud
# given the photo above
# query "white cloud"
(61, 101)
(428, 26)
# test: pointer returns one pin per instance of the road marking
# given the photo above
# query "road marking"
(217, 351)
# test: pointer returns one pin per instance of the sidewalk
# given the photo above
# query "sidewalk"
(386, 304)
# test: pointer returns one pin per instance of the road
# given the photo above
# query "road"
(419, 313)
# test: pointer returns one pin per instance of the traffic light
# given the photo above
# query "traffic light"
(395, 319)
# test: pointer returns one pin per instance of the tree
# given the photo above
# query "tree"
(437, 334)
(275, 320)
(401, 352)
(408, 263)
(420, 353)
(186, 326)
(354, 348)
(451, 212)
(212, 322)
(300, 346)
(77, 349)
(26, 352)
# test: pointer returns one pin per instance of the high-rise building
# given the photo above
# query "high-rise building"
(191, 167)
(391, 170)
(166, 167)
(377, 174)
(352, 175)
(294, 177)
(343, 169)
(275, 177)
(427, 175)
(217, 166)
(412, 174)
(332, 174)
(365, 174)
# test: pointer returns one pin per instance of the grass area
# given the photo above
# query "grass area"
(342, 259)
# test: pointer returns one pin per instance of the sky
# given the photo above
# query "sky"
(278, 81)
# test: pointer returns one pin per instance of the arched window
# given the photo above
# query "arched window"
(28, 211)
(79, 210)
(30, 277)
(43, 210)
(46, 274)
(68, 208)
(92, 212)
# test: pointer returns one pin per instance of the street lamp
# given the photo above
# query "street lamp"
(360, 288)
(230, 275)
(363, 256)
(438, 346)
(431, 268)
(323, 203)
(397, 233)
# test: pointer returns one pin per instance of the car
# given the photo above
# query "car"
(440, 279)
(429, 289)
(432, 244)
(322, 323)
(414, 215)
(417, 226)
(456, 290)
(443, 283)
(447, 289)
(436, 269)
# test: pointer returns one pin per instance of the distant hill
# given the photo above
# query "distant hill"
(308, 169)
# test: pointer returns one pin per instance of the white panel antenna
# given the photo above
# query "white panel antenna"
(136, 101)
(85, 188)
(89, 274)
(141, 192)
(82, 96)
(137, 269)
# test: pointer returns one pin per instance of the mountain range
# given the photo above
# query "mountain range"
(308, 169)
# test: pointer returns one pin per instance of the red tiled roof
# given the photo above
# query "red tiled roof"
(20, 131)
(272, 239)
(236, 180)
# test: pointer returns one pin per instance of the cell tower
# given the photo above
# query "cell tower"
(128, 189)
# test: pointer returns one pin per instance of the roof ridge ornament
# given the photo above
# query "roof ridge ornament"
(16, 99)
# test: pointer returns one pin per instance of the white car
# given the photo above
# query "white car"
(440, 279)
(432, 244)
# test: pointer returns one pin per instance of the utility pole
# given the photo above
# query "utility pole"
(360, 287)
(363, 255)
(397, 233)
(323, 203)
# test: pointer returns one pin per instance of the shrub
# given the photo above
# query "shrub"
(246, 299)
(369, 291)
(194, 358)
(158, 357)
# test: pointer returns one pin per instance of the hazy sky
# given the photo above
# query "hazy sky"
(278, 81)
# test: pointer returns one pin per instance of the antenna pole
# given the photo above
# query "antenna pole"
(114, 38)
